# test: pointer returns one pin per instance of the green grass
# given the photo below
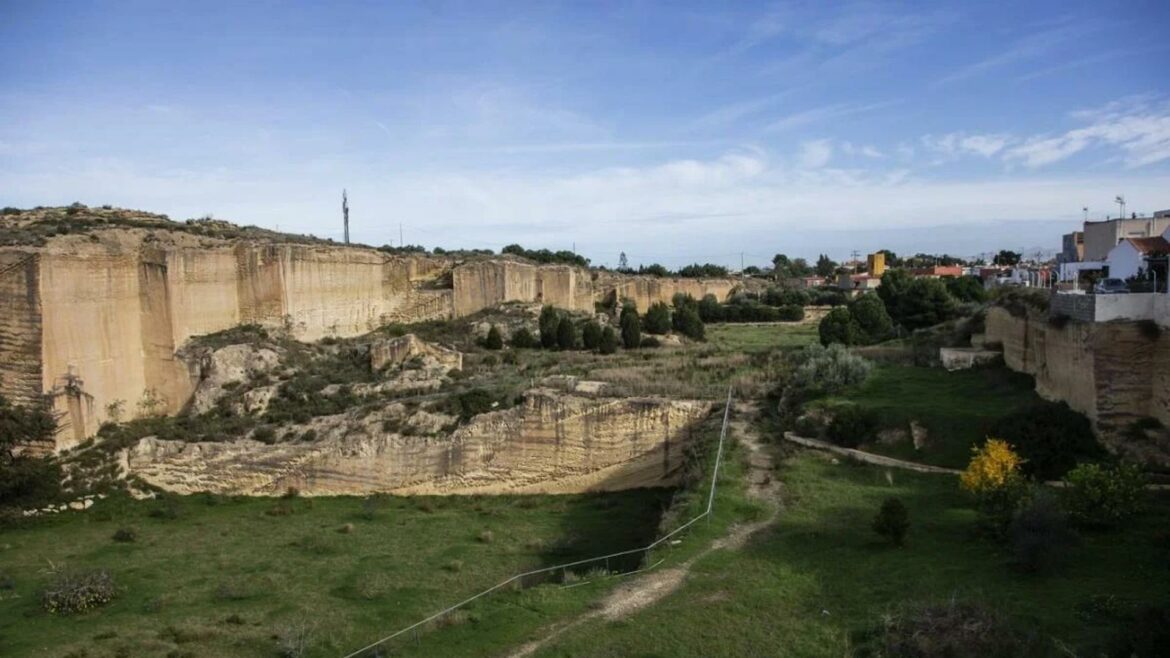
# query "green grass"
(957, 408)
(820, 575)
(752, 339)
(184, 578)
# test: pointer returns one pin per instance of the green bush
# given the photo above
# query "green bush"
(631, 327)
(873, 322)
(26, 481)
(658, 319)
(78, 591)
(852, 426)
(710, 310)
(650, 341)
(125, 535)
(1101, 497)
(609, 342)
(821, 370)
(688, 323)
(1039, 534)
(550, 320)
(591, 335)
(493, 341)
(790, 313)
(1050, 437)
(892, 521)
(522, 338)
(566, 335)
(838, 327)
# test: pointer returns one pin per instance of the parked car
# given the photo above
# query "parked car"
(1110, 286)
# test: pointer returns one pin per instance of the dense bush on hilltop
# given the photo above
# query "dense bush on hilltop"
(545, 256)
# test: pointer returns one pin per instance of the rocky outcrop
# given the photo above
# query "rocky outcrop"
(1113, 372)
(217, 371)
(553, 443)
(399, 350)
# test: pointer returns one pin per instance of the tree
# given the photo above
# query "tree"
(874, 323)
(631, 327)
(654, 269)
(658, 319)
(26, 480)
(523, 338)
(993, 477)
(494, 340)
(838, 326)
(915, 303)
(688, 323)
(1101, 496)
(566, 334)
(608, 342)
(966, 288)
(550, 319)
(1006, 257)
(591, 335)
(708, 270)
(623, 263)
(825, 266)
(892, 521)
(709, 309)
(784, 268)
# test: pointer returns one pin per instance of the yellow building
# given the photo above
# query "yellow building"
(877, 264)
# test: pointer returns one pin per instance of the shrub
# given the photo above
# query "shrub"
(522, 338)
(993, 477)
(631, 327)
(1100, 497)
(821, 370)
(710, 310)
(485, 537)
(852, 426)
(892, 521)
(78, 591)
(658, 319)
(493, 341)
(838, 326)
(489, 361)
(688, 323)
(650, 341)
(790, 313)
(591, 335)
(873, 322)
(949, 630)
(264, 434)
(566, 335)
(608, 342)
(1050, 437)
(549, 321)
(125, 535)
(25, 480)
(1039, 534)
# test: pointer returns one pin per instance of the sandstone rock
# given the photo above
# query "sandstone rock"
(256, 400)
(400, 350)
(234, 363)
(919, 435)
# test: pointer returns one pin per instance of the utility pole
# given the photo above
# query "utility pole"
(401, 244)
(345, 214)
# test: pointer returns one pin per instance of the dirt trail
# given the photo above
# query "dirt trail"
(646, 589)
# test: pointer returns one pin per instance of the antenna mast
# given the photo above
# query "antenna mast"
(1120, 201)
(345, 214)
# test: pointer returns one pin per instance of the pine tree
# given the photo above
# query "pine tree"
(494, 340)
(631, 327)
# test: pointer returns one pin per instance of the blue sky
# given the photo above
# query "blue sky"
(672, 131)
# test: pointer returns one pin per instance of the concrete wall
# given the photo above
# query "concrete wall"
(1108, 308)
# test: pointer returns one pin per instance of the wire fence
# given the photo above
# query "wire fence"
(520, 577)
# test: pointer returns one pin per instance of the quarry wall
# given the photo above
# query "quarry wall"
(551, 444)
(95, 320)
(1113, 372)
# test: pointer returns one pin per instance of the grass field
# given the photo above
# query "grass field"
(957, 408)
(809, 584)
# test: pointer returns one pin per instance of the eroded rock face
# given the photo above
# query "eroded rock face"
(220, 368)
(1113, 372)
(553, 443)
(400, 350)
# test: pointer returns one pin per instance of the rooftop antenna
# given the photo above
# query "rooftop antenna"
(345, 214)
(1120, 201)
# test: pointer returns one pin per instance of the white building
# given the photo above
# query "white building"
(1129, 256)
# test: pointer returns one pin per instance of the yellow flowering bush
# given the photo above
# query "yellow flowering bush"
(993, 467)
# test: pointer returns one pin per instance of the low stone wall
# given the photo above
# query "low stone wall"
(1106, 308)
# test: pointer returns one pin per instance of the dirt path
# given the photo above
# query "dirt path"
(646, 589)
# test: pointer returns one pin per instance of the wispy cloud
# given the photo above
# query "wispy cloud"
(958, 143)
(1139, 128)
(823, 113)
(733, 112)
(815, 154)
(1097, 58)
(1031, 46)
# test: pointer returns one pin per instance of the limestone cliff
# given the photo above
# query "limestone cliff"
(95, 319)
(1113, 372)
(553, 443)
